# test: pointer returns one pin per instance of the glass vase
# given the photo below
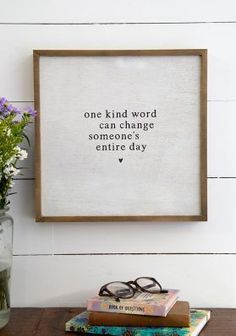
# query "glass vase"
(6, 247)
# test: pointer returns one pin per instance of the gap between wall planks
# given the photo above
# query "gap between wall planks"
(93, 12)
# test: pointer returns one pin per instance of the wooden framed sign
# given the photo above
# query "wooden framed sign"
(121, 135)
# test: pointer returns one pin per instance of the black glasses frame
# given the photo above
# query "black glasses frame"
(133, 286)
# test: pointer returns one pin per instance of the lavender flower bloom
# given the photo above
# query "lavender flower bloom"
(3, 111)
(2, 106)
(9, 107)
(31, 111)
(5, 108)
(3, 100)
(15, 110)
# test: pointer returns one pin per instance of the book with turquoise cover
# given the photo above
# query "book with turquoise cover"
(80, 324)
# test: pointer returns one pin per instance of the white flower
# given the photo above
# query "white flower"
(11, 171)
(6, 170)
(21, 154)
(11, 184)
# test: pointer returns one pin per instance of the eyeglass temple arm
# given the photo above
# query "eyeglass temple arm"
(105, 292)
(158, 283)
(147, 286)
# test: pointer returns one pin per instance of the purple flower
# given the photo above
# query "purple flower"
(9, 107)
(15, 110)
(3, 100)
(31, 111)
(4, 112)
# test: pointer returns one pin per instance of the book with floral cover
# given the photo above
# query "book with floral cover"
(80, 324)
(142, 303)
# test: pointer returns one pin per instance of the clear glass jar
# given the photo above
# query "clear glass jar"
(6, 245)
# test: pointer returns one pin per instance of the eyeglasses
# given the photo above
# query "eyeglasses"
(126, 290)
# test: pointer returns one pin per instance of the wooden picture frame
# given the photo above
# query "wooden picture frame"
(157, 173)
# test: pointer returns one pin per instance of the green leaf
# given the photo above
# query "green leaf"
(12, 193)
(27, 138)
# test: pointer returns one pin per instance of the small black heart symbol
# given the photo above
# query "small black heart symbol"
(121, 160)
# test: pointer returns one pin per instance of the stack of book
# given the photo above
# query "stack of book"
(143, 315)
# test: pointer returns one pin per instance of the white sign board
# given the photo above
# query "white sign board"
(121, 135)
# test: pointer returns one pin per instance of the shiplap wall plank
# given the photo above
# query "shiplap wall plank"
(82, 11)
(204, 280)
(221, 139)
(19, 41)
(217, 235)
(29, 236)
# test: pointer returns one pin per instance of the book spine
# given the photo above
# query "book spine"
(127, 308)
(110, 319)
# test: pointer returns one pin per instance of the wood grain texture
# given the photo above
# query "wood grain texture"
(51, 322)
(203, 134)
(37, 163)
(108, 53)
(38, 321)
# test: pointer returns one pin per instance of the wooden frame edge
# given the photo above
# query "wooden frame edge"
(119, 218)
(203, 134)
(118, 52)
(37, 165)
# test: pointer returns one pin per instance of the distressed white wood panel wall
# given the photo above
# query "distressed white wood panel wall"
(19, 40)
(69, 280)
(215, 236)
(124, 11)
(61, 264)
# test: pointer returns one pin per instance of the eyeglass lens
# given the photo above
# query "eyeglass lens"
(120, 289)
(148, 284)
